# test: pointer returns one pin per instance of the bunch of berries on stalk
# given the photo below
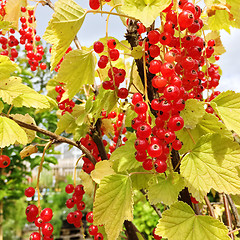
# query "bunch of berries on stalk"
(28, 38)
(116, 76)
(41, 219)
(182, 71)
(75, 217)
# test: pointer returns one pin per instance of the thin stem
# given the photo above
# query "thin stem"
(39, 172)
(157, 210)
(210, 209)
(132, 173)
(189, 133)
(112, 13)
(75, 170)
(233, 231)
(54, 136)
(125, 47)
(180, 161)
(228, 215)
(234, 210)
(119, 141)
(197, 209)
(9, 110)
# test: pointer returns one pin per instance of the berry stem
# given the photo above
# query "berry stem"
(39, 172)
(9, 110)
(111, 13)
(210, 209)
(75, 170)
(189, 133)
(119, 141)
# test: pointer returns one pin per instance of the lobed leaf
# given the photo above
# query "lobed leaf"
(11, 132)
(180, 222)
(113, 204)
(63, 27)
(212, 164)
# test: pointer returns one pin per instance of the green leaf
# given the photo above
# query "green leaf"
(27, 119)
(11, 132)
(81, 131)
(220, 20)
(165, 190)
(137, 52)
(140, 181)
(192, 113)
(66, 123)
(32, 99)
(208, 124)
(146, 12)
(113, 204)
(123, 158)
(77, 69)
(6, 67)
(5, 25)
(212, 164)
(87, 182)
(181, 223)
(63, 27)
(228, 108)
(1, 106)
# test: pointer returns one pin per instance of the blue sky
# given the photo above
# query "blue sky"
(94, 28)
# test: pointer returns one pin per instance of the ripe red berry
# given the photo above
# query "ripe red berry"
(193, 200)
(29, 192)
(69, 188)
(175, 123)
(98, 236)
(93, 230)
(94, 4)
(35, 236)
(153, 37)
(122, 93)
(4, 161)
(114, 54)
(155, 66)
(137, 97)
(70, 218)
(160, 165)
(156, 236)
(47, 229)
(111, 43)
(98, 47)
(148, 164)
(140, 107)
(154, 150)
(46, 214)
(185, 19)
(43, 66)
(89, 217)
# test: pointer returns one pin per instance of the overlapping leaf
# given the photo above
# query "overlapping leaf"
(192, 113)
(208, 124)
(77, 69)
(144, 10)
(220, 20)
(6, 67)
(124, 157)
(63, 27)
(228, 107)
(113, 204)
(211, 164)
(27, 119)
(165, 190)
(11, 132)
(180, 222)
(66, 123)
(87, 182)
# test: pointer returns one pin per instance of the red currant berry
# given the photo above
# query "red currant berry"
(98, 236)
(160, 165)
(46, 214)
(69, 188)
(35, 236)
(98, 47)
(93, 230)
(47, 229)
(89, 217)
(4, 161)
(137, 97)
(29, 192)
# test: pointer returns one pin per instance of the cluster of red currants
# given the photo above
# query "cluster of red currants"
(116, 76)
(40, 220)
(66, 105)
(4, 161)
(59, 64)
(75, 217)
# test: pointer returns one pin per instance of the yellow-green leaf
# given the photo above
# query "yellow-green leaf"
(218, 48)
(13, 10)
(212, 164)
(180, 222)
(11, 132)
(66, 123)
(124, 157)
(145, 12)
(113, 204)
(6, 67)
(87, 182)
(63, 27)
(164, 189)
(77, 69)
(228, 107)
(27, 119)
(137, 52)
(102, 169)
(208, 124)
(192, 113)
(220, 20)
(1, 106)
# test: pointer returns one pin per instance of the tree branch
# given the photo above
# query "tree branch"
(228, 215)
(152, 205)
(234, 211)
(54, 136)
(131, 230)
(210, 209)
